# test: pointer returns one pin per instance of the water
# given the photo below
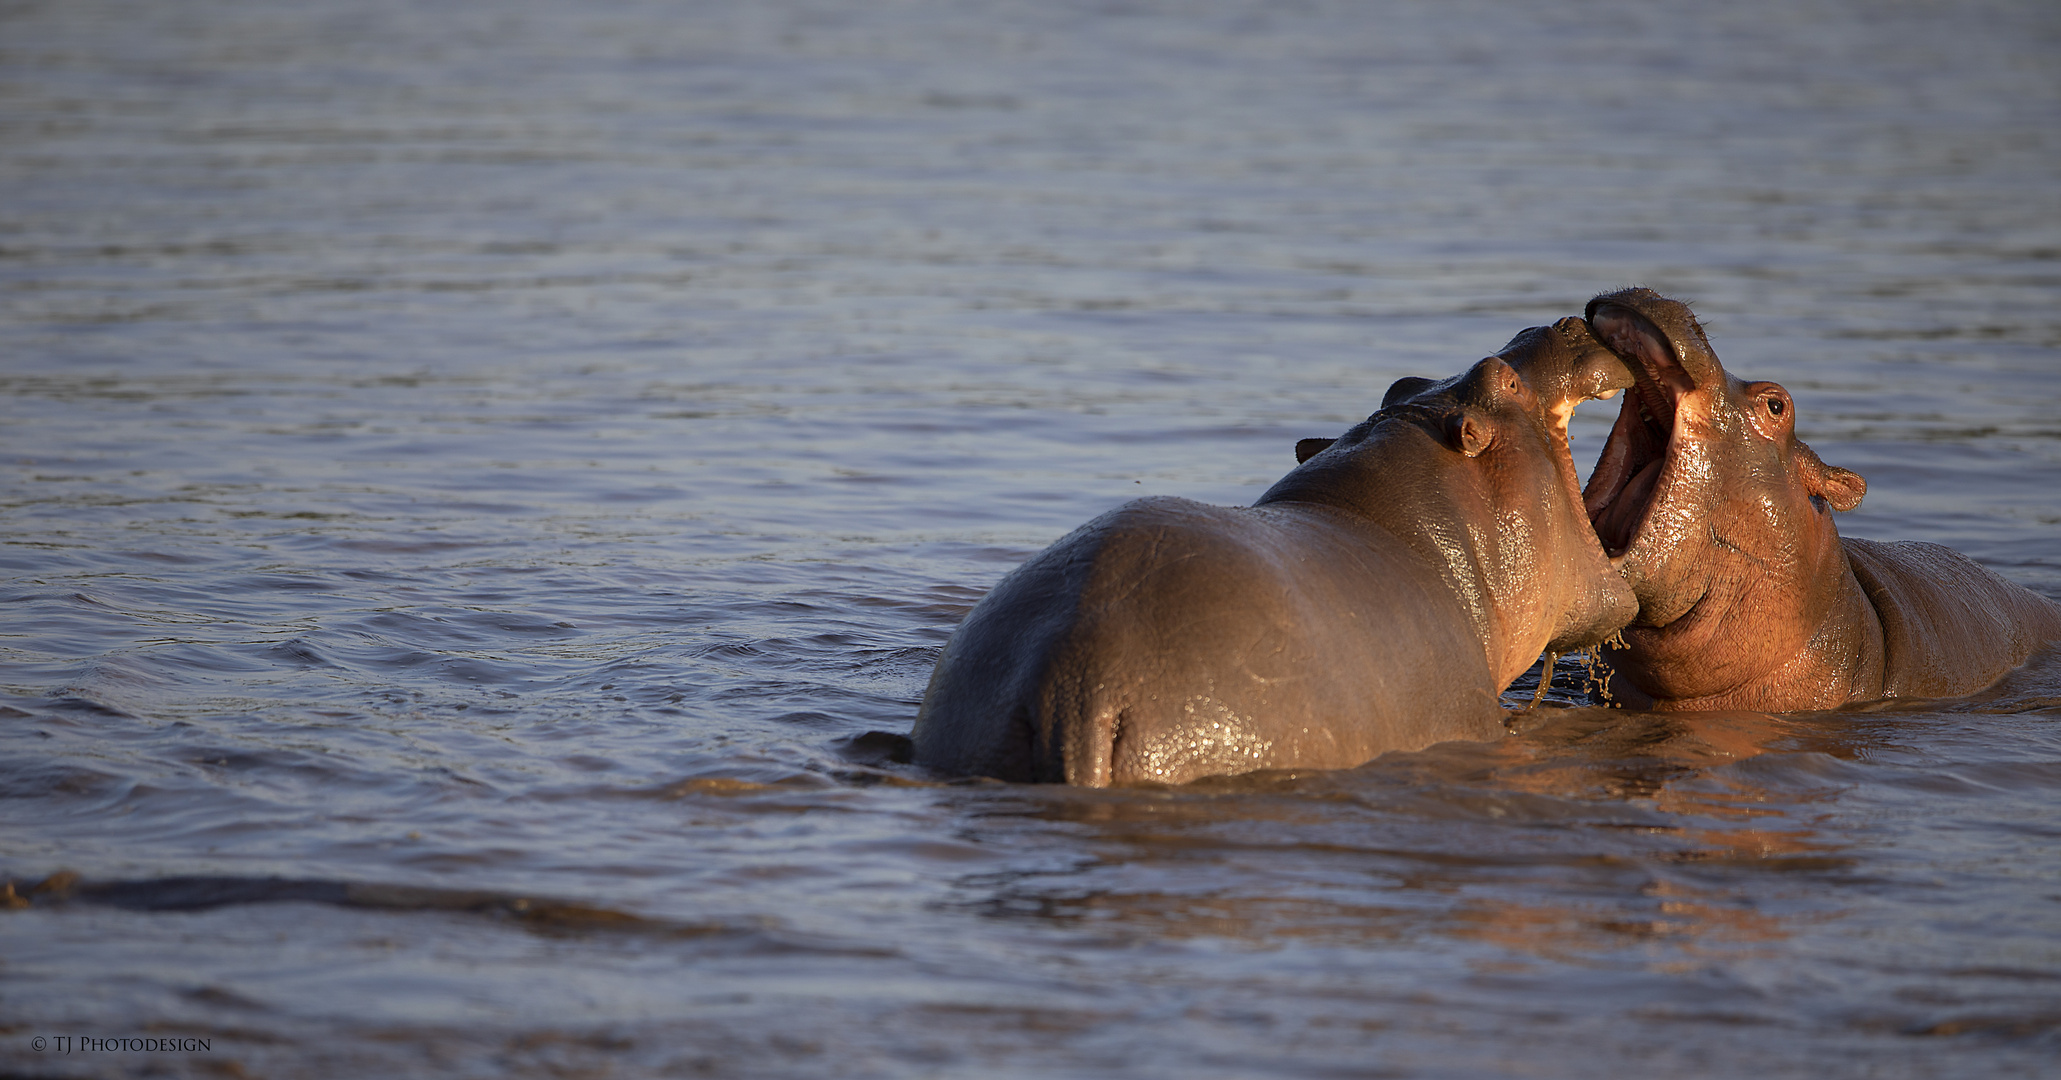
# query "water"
(474, 473)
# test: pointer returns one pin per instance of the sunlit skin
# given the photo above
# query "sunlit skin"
(1721, 521)
(1379, 597)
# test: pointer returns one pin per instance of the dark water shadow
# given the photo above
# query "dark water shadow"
(539, 915)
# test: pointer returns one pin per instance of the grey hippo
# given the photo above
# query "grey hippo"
(1378, 597)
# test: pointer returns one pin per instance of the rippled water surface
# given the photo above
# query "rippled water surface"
(474, 473)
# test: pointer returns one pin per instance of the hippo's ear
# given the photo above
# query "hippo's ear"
(1469, 432)
(1404, 389)
(1306, 449)
(1842, 488)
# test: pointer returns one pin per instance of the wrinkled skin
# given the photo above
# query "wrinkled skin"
(1720, 519)
(1379, 597)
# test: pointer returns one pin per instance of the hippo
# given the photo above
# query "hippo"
(1720, 520)
(1378, 597)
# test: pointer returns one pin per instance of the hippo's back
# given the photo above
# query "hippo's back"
(1169, 639)
(1950, 626)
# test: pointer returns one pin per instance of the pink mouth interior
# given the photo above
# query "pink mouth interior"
(1620, 490)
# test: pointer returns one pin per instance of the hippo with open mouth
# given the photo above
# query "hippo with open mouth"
(1379, 597)
(1720, 519)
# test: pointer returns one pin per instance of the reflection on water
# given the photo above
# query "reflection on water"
(474, 475)
(1660, 787)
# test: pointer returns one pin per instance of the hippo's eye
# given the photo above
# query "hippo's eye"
(1774, 406)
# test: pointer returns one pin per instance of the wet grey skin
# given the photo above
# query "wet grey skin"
(1379, 597)
(1720, 520)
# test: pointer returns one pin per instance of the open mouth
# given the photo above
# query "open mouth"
(1620, 489)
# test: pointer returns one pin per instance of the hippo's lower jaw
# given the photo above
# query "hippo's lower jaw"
(1620, 489)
